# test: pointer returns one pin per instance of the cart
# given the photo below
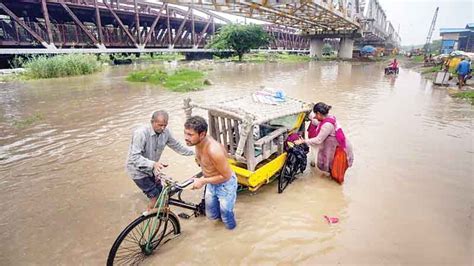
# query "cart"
(254, 134)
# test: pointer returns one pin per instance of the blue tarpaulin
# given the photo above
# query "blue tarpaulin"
(368, 49)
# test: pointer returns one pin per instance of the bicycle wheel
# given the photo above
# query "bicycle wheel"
(287, 174)
(130, 247)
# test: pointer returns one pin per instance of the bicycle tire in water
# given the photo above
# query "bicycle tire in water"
(129, 247)
(287, 174)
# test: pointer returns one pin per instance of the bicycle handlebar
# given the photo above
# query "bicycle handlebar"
(180, 186)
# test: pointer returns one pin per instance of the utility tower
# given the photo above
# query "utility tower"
(430, 32)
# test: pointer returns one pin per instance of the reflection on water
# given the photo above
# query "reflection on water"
(65, 196)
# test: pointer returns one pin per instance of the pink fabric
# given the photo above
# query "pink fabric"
(313, 131)
(291, 138)
(331, 220)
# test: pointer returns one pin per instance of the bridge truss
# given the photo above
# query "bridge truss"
(56, 26)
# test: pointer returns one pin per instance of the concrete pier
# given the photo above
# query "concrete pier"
(316, 47)
(346, 46)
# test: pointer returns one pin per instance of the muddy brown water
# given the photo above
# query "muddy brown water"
(408, 199)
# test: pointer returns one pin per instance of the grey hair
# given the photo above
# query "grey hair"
(158, 113)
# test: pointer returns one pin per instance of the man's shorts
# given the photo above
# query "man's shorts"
(148, 185)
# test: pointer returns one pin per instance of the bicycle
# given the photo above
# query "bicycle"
(149, 231)
(295, 162)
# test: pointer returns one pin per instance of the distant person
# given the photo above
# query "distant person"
(446, 64)
(219, 179)
(146, 147)
(335, 151)
(463, 69)
(392, 67)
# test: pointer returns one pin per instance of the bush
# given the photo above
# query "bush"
(39, 67)
(181, 80)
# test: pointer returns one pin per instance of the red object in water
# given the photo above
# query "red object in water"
(331, 220)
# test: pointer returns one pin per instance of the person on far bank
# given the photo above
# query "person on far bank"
(146, 147)
(462, 69)
(334, 150)
(219, 179)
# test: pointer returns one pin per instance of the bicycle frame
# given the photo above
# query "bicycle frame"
(166, 198)
(149, 231)
(175, 189)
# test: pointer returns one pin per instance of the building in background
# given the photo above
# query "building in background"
(457, 39)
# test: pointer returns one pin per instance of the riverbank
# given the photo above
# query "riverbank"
(429, 72)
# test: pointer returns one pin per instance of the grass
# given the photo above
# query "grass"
(144, 57)
(42, 67)
(269, 57)
(28, 121)
(293, 58)
(9, 77)
(332, 57)
(181, 80)
(468, 95)
(418, 58)
(162, 57)
(431, 69)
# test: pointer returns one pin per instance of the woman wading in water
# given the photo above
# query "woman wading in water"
(335, 151)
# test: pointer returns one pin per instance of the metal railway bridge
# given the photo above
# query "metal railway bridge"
(109, 26)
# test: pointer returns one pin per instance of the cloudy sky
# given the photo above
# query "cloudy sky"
(414, 17)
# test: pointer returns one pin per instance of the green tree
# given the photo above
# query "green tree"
(327, 49)
(435, 46)
(240, 38)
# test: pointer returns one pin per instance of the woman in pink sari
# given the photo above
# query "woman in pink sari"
(326, 135)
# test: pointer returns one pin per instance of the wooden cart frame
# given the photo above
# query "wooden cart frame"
(255, 159)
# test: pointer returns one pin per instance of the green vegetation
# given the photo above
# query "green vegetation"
(9, 77)
(431, 69)
(39, 67)
(144, 57)
(181, 80)
(240, 38)
(327, 49)
(418, 58)
(162, 57)
(468, 95)
(435, 47)
(28, 121)
(269, 57)
(332, 57)
(17, 61)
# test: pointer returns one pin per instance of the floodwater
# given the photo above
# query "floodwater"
(408, 199)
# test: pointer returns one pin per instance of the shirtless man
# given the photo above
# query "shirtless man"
(220, 180)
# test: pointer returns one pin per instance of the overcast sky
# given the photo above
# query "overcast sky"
(415, 16)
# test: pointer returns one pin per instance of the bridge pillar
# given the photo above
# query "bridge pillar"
(316, 47)
(346, 45)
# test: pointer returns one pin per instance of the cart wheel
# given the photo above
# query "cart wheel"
(287, 174)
